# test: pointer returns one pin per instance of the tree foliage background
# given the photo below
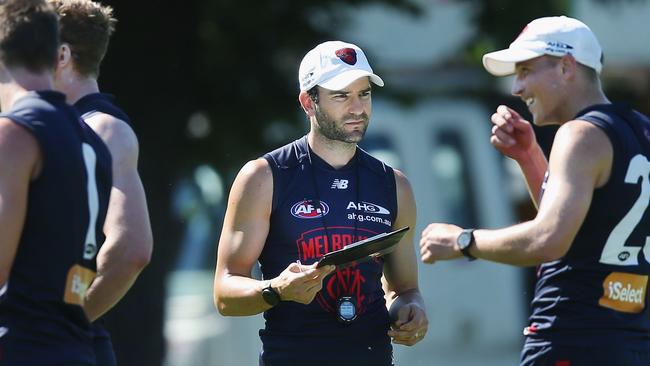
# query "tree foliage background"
(233, 64)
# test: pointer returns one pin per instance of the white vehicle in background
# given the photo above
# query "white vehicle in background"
(476, 309)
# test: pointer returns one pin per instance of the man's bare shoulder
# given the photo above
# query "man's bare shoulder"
(580, 134)
(116, 133)
(15, 138)
(19, 144)
(252, 191)
(580, 146)
(401, 180)
(106, 125)
(256, 172)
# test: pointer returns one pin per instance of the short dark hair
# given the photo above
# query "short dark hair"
(87, 27)
(29, 35)
(313, 94)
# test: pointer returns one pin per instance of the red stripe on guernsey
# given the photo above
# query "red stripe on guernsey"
(532, 329)
(324, 303)
(563, 363)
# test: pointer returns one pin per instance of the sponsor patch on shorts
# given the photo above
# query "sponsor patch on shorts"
(624, 292)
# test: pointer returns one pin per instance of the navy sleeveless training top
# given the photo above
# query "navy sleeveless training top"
(318, 209)
(93, 103)
(596, 294)
(41, 321)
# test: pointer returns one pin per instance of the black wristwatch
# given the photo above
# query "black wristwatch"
(464, 240)
(271, 296)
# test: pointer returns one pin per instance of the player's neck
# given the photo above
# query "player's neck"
(335, 153)
(79, 88)
(32, 81)
(589, 94)
(587, 101)
(22, 82)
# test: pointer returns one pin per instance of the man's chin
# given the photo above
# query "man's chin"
(355, 137)
(543, 121)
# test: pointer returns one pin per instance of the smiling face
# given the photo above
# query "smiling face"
(343, 115)
(540, 83)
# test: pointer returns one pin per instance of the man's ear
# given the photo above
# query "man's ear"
(569, 65)
(306, 103)
(65, 55)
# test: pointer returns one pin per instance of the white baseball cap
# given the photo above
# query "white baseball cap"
(334, 65)
(555, 36)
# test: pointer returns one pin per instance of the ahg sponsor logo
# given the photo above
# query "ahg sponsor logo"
(624, 292)
(368, 207)
(309, 209)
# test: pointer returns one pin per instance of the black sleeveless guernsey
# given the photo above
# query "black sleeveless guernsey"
(318, 209)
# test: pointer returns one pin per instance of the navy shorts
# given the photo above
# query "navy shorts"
(581, 356)
(20, 353)
(319, 352)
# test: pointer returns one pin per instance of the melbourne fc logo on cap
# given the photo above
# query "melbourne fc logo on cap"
(347, 55)
(309, 209)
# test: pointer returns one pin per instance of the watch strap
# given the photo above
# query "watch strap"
(270, 295)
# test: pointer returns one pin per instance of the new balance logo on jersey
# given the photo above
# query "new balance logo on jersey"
(340, 184)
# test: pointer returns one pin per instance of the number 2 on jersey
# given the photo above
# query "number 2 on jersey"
(615, 252)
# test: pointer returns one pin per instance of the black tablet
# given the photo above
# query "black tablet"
(363, 250)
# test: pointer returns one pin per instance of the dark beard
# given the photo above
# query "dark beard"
(329, 129)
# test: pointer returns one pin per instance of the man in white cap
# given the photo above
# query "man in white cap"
(312, 197)
(590, 238)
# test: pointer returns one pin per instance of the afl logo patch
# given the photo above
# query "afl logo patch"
(309, 209)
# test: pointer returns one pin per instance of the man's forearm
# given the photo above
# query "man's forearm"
(534, 169)
(117, 270)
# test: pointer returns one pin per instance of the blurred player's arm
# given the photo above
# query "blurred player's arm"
(245, 228)
(20, 157)
(515, 138)
(400, 280)
(129, 241)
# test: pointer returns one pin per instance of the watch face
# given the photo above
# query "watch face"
(464, 239)
(270, 296)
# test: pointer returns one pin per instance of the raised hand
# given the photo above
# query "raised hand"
(512, 135)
